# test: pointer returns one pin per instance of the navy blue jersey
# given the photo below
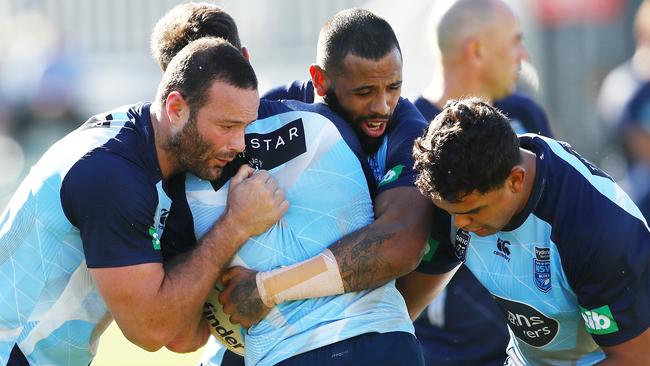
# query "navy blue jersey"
(95, 199)
(524, 114)
(449, 336)
(392, 165)
(122, 176)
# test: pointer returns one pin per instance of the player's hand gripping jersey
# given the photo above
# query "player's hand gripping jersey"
(100, 184)
(320, 165)
(572, 272)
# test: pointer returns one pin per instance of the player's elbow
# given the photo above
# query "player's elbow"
(189, 342)
(182, 346)
(150, 340)
(409, 254)
(408, 262)
(405, 260)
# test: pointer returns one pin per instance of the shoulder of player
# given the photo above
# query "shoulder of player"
(408, 122)
(104, 173)
(588, 212)
(270, 108)
(295, 90)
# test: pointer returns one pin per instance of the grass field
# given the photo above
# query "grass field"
(115, 350)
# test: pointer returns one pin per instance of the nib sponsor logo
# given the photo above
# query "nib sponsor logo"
(599, 321)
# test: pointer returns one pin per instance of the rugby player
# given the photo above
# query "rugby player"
(81, 238)
(359, 75)
(560, 246)
(279, 337)
(480, 46)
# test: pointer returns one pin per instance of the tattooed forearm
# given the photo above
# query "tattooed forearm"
(362, 260)
(248, 305)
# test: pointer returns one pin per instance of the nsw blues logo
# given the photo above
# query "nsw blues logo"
(542, 269)
(461, 244)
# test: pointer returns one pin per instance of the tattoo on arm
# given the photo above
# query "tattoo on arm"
(248, 305)
(362, 264)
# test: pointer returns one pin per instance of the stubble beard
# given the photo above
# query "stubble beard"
(370, 145)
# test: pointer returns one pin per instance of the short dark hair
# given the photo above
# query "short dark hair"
(197, 66)
(355, 31)
(470, 146)
(186, 23)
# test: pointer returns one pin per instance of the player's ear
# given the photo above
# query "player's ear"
(319, 79)
(177, 110)
(473, 50)
(515, 181)
(246, 53)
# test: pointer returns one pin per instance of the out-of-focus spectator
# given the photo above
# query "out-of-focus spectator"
(623, 104)
(624, 80)
(37, 77)
(635, 137)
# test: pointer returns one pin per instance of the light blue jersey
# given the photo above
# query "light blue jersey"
(50, 312)
(317, 161)
(571, 272)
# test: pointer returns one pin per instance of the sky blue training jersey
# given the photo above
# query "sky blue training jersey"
(317, 160)
(447, 334)
(95, 199)
(572, 271)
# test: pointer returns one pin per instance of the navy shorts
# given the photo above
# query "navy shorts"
(371, 349)
(394, 348)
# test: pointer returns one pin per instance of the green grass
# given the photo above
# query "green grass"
(115, 350)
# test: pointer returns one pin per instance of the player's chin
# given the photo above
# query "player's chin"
(483, 231)
(209, 173)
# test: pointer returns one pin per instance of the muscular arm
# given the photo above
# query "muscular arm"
(391, 246)
(419, 289)
(152, 303)
(634, 352)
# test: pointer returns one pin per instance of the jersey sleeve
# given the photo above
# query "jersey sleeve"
(113, 203)
(409, 125)
(612, 278)
(301, 90)
(520, 107)
(604, 245)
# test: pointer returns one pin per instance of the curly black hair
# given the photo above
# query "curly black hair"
(470, 146)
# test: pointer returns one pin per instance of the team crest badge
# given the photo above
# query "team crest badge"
(461, 244)
(542, 269)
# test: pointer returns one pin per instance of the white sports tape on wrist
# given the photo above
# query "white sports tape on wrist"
(315, 277)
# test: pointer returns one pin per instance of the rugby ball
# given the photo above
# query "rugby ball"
(229, 334)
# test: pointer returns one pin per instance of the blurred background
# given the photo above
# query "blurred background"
(62, 61)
